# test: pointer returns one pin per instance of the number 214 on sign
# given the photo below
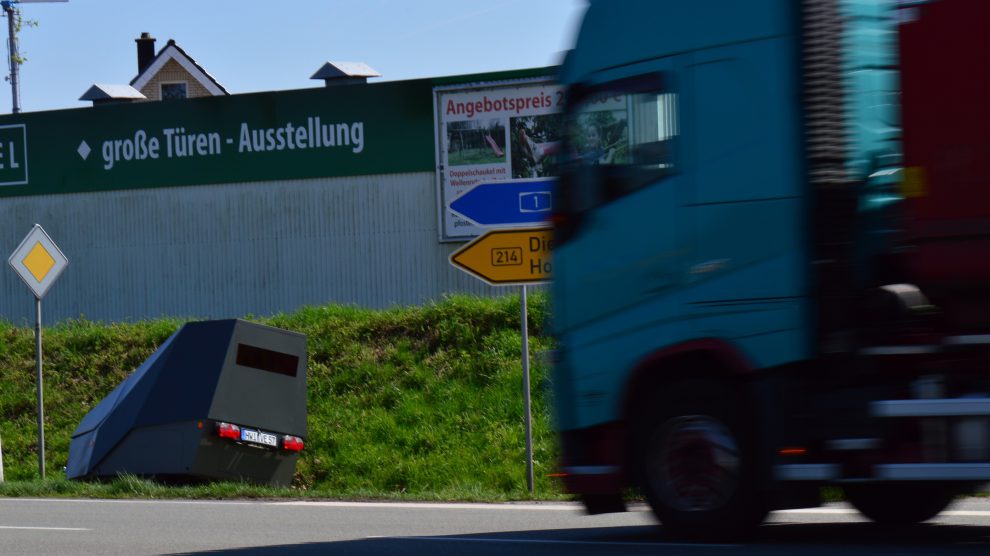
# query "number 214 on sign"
(506, 256)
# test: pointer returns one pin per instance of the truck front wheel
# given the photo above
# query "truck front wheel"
(698, 464)
(900, 504)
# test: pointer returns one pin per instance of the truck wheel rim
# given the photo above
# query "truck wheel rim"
(696, 463)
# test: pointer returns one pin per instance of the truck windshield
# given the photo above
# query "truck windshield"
(618, 137)
(623, 129)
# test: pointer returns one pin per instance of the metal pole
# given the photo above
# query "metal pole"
(41, 397)
(526, 398)
(1, 460)
(15, 88)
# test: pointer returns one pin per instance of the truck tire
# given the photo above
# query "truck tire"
(900, 504)
(698, 463)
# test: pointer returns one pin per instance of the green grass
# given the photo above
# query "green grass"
(474, 156)
(409, 403)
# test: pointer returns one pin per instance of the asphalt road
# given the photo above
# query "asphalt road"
(66, 527)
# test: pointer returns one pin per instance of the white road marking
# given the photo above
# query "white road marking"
(136, 501)
(436, 506)
(318, 503)
(44, 528)
(555, 541)
(820, 511)
(523, 506)
(851, 511)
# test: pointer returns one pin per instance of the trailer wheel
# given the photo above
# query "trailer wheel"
(698, 462)
(900, 504)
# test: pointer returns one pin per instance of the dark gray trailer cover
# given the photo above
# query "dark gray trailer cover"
(161, 420)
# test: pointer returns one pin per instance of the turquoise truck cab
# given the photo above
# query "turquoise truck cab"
(735, 323)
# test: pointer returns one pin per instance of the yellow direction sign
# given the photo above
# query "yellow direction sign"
(506, 257)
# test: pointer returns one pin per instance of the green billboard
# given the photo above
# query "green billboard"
(341, 131)
(353, 130)
(350, 130)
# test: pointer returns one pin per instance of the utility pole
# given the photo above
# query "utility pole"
(15, 86)
(15, 58)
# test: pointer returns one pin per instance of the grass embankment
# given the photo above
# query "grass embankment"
(419, 402)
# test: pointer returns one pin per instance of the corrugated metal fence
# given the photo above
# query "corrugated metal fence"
(223, 251)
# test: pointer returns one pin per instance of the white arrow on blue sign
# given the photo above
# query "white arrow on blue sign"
(501, 203)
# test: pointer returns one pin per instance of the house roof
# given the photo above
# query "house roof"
(104, 91)
(172, 51)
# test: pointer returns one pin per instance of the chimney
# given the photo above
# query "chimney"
(145, 51)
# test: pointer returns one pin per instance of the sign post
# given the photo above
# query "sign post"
(527, 404)
(40, 382)
(512, 257)
(39, 262)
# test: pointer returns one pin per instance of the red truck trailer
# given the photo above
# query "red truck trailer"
(945, 105)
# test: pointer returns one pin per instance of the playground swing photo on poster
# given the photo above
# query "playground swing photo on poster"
(476, 142)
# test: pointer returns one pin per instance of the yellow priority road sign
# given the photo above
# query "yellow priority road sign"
(506, 257)
(38, 261)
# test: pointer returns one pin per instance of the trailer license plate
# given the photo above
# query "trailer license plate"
(258, 437)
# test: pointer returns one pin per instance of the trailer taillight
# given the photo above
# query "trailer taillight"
(227, 430)
(292, 443)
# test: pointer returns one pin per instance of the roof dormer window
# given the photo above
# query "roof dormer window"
(172, 91)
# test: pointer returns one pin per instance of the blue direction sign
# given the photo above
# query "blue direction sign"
(501, 203)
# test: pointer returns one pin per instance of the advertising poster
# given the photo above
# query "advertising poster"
(496, 144)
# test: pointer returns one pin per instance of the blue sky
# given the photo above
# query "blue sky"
(254, 45)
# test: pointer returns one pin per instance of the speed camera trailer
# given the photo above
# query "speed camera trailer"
(219, 400)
